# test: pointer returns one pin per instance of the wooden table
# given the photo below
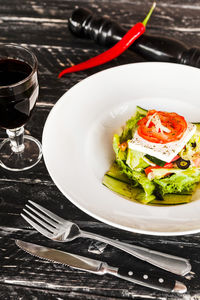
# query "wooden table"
(42, 27)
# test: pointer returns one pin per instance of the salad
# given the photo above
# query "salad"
(157, 158)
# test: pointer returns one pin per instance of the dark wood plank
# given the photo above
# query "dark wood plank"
(17, 270)
(174, 19)
(42, 26)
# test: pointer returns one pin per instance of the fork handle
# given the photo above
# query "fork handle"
(171, 263)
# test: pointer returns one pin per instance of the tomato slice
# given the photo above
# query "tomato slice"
(173, 127)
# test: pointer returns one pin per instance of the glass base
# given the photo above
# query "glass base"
(22, 160)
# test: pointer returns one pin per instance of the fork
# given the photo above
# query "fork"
(61, 230)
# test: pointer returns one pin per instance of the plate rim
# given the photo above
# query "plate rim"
(68, 195)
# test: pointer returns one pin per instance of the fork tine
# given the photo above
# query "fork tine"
(42, 216)
(37, 227)
(44, 224)
(47, 212)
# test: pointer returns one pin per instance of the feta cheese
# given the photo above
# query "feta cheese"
(165, 152)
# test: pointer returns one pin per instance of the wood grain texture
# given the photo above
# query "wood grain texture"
(42, 26)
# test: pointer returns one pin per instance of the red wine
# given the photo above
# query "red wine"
(17, 98)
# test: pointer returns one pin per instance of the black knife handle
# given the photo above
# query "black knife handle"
(106, 32)
(147, 279)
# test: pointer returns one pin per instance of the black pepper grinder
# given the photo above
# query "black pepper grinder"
(106, 32)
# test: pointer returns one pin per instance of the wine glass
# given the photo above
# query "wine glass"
(18, 94)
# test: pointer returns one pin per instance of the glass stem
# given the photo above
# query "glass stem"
(16, 137)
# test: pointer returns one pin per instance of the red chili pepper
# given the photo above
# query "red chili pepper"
(126, 41)
(149, 169)
(166, 166)
(175, 158)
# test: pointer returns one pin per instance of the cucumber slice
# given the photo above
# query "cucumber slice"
(172, 199)
(134, 193)
(120, 187)
(197, 126)
(116, 173)
(141, 110)
(155, 160)
(119, 183)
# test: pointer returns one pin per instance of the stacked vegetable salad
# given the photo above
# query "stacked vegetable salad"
(157, 158)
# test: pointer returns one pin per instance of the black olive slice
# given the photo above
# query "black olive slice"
(182, 163)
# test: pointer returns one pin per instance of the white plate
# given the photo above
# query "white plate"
(77, 141)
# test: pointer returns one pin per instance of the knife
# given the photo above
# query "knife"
(101, 268)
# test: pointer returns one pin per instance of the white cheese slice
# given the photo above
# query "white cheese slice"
(164, 152)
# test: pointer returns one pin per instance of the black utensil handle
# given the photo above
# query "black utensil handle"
(147, 279)
(106, 32)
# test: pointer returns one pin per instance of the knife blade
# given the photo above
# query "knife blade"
(99, 267)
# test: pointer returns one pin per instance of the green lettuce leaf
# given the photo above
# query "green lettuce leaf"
(192, 146)
(181, 182)
(135, 160)
(121, 155)
(131, 162)
(139, 179)
(130, 127)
